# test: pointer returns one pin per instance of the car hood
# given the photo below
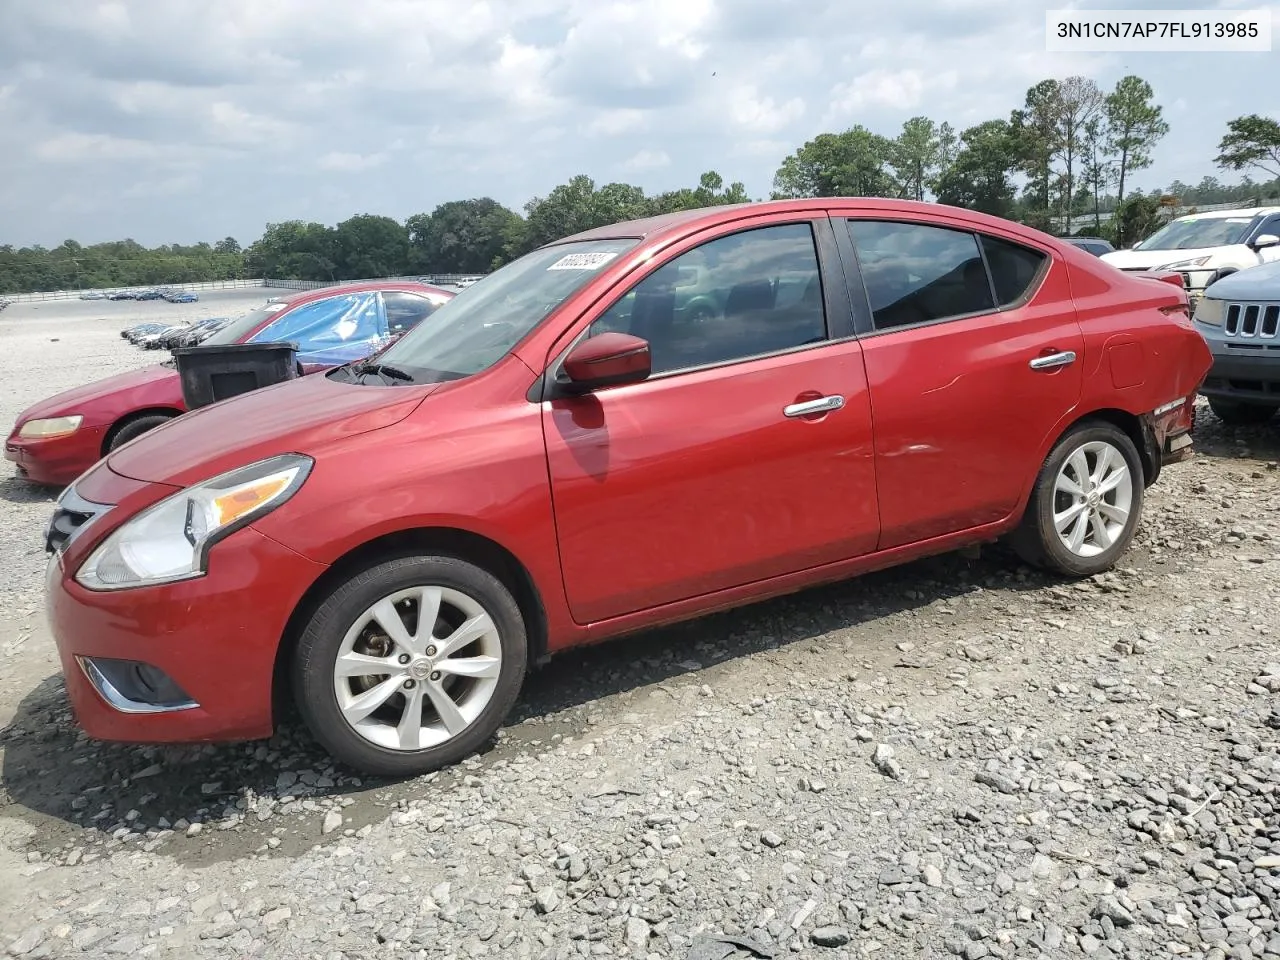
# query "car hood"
(1253, 283)
(299, 416)
(70, 401)
(1150, 259)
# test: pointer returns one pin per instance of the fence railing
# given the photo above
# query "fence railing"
(73, 294)
(276, 284)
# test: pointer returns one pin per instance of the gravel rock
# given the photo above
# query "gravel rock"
(830, 936)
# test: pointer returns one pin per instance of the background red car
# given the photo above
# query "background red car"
(636, 425)
(56, 440)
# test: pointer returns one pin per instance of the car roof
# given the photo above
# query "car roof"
(704, 217)
(1224, 214)
(363, 286)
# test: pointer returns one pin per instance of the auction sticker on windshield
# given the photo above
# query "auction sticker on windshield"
(582, 261)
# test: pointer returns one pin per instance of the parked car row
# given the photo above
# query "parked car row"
(160, 293)
(155, 336)
(56, 440)
(631, 426)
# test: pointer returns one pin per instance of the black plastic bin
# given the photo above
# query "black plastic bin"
(213, 373)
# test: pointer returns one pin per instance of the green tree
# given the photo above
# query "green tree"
(1251, 141)
(367, 245)
(978, 177)
(227, 245)
(1137, 218)
(919, 154)
(1134, 125)
(566, 210)
(576, 206)
(461, 236)
(1079, 101)
(1035, 129)
(837, 164)
(1098, 167)
(710, 192)
(294, 250)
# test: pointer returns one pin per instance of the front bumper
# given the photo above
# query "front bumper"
(215, 637)
(1247, 375)
(55, 461)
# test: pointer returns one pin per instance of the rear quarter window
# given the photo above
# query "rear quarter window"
(1015, 269)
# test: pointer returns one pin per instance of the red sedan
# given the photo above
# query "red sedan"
(58, 439)
(632, 426)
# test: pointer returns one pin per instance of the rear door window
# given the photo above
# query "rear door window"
(916, 273)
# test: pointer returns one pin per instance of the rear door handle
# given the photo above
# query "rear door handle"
(807, 408)
(1054, 360)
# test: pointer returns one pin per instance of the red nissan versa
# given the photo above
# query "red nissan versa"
(635, 425)
(58, 439)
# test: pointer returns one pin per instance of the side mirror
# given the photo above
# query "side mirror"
(607, 360)
(1265, 240)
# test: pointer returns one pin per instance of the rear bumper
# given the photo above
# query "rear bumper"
(58, 460)
(1167, 431)
(1247, 378)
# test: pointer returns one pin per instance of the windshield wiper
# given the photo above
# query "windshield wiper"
(383, 370)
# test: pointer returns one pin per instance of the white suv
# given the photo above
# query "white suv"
(1206, 246)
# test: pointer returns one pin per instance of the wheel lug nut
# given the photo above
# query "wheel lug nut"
(409, 684)
(435, 675)
(404, 658)
(431, 651)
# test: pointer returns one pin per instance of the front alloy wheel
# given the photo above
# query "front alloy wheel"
(410, 665)
(417, 668)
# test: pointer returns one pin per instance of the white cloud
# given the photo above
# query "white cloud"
(350, 162)
(762, 114)
(647, 160)
(895, 89)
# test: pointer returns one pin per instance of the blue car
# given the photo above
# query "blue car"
(182, 296)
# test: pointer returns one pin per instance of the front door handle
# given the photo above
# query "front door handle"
(1052, 360)
(808, 408)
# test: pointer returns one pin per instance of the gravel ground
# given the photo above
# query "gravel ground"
(958, 757)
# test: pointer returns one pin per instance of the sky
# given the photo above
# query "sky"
(185, 120)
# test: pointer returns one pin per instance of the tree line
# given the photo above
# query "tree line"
(1063, 162)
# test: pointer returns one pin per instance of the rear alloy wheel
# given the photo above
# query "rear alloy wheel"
(1086, 504)
(411, 665)
(1236, 413)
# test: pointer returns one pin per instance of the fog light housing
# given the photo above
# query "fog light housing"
(132, 686)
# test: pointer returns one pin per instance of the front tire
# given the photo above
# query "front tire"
(1235, 413)
(410, 665)
(1086, 504)
(136, 428)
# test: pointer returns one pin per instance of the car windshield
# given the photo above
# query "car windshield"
(1192, 234)
(484, 321)
(239, 328)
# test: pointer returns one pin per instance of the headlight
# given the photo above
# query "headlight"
(50, 427)
(1211, 311)
(170, 540)
(1185, 264)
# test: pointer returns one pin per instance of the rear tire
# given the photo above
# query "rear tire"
(1086, 503)
(408, 698)
(136, 428)
(1236, 413)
